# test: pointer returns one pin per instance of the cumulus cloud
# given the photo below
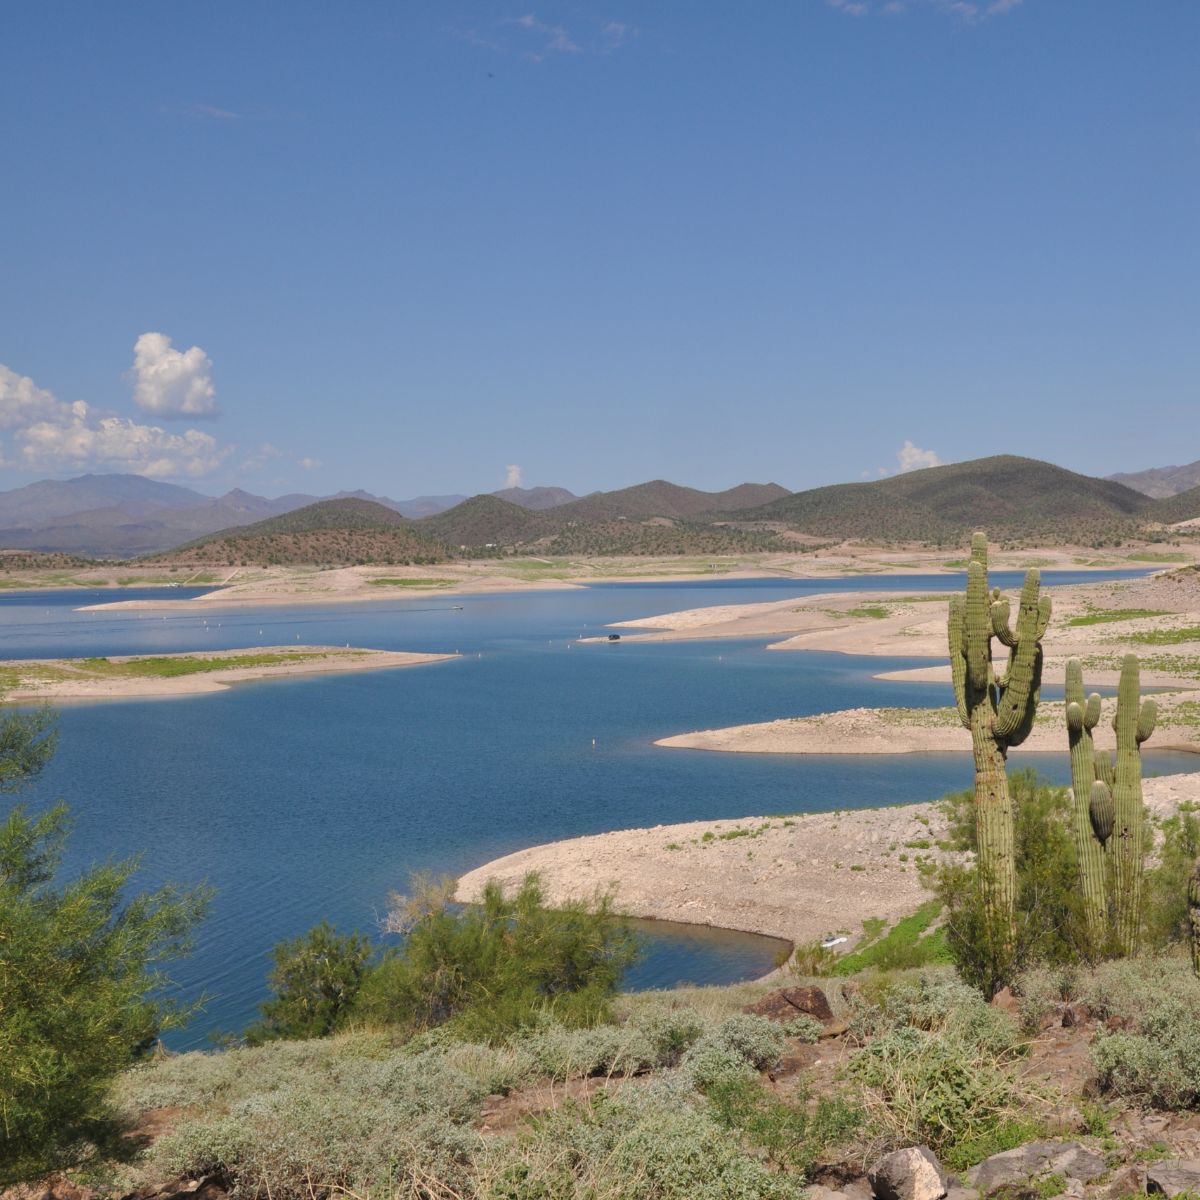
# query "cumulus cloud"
(913, 458)
(512, 476)
(308, 464)
(46, 433)
(169, 383)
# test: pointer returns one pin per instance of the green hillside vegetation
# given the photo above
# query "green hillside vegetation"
(658, 538)
(1183, 507)
(344, 532)
(1013, 498)
(658, 498)
(482, 521)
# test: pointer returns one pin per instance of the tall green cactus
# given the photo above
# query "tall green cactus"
(1116, 797)
(1194, 915)
(1092, 829)
(999, 713)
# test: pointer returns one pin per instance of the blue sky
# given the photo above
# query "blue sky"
(411, 246)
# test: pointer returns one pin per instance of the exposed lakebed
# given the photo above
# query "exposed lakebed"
(308, 798)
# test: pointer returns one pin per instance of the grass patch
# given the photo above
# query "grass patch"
(1117, 614)
(1166, 637)
(171, 667)
(1168, 556)
(411, 583)
(874, 611)
(907, 944)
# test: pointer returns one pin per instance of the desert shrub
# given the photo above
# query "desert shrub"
(498, 966)
(81, 992)
(652, 1142)
(1040, 990)
(1050, 926)
(804, 1028)
(316, 979)
(288, 1124)
(1165, 906)
(602, 1050)
(671, 1029)
(792, 1135)
(736, 1049)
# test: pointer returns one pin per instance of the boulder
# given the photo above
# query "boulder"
(1174, 1177)
(785, 1004)
(913, 1173)
(1034, 1160)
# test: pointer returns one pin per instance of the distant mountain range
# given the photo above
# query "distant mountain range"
(1017, 499)
(121, 516)
(1161, 482)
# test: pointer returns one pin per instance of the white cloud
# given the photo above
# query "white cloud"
(210, 112)
(260, 457)
(913, 458)
(512, 476)
(171, 383)
(968, 11)
(554, 38)
(51, 435)
(309, 464)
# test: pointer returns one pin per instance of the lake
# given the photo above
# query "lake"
(308, 798)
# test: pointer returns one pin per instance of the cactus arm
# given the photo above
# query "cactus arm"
(958, 661)
(1086, 789)
(1133, 718)
(977, 627)
(1104, 767)
(1025, 728)
(1147, 718)
(1011, 714)
(1000, 612)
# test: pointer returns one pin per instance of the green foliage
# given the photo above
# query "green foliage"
(1104, 616)
(736, 1049)
(907, 944)
(81, 993)
(27, 741)
(1050, 923)
(1165, 637)
(316, 979)
(500, 965)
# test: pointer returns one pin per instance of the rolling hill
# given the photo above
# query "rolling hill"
(537, 497)
(483, 521)
(1182, 507)
(1006, 495)
(658, 498)
(331, 532)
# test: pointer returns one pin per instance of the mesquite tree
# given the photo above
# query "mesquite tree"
(999, 712)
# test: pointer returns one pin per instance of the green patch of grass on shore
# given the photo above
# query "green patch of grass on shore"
(1166, 637)
(907, 944)
(163, 667)
(875, 611)
(1117, 614)
(411, 583)
(1156, 556)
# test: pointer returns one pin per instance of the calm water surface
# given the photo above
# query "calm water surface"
(309, 798)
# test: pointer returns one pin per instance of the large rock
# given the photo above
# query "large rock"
(913, 1173)
(786, 1004)
(1174, 1177)
(1036, 1160)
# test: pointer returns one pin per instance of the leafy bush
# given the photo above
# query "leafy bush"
(498, 966)
(804, 1028)
(602, 1050)
(80, 993)
(736, 1049)
(1050, 925)
(316, 979)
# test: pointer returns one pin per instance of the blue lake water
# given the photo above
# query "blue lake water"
(314, 797)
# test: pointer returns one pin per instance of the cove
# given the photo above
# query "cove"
(310, 798)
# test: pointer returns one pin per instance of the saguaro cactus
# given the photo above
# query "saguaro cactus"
(1117, 797)
(1093, 813)
(999, 713)
(1194, 915)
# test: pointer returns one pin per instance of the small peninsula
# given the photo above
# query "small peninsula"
(145, 676)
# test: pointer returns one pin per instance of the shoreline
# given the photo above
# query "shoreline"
(83, 679)
(796, 878)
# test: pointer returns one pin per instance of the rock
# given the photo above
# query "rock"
(1174, 1177)
(913, 1173)
(786, 1004)
(1128, 1181)
(1006, 1001)
(1075, 1013)
(1036, 1159)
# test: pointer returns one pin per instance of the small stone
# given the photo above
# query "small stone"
(1174, 1177)
(913, 1173)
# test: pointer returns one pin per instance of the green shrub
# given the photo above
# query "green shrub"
(804, 1028)
(1050, 926)
(602, 1050)
(81, 995)
(737, 1048)
(648, 1142)
(498, 966)
(316, 979)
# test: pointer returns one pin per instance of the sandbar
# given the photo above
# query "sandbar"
(117, 677)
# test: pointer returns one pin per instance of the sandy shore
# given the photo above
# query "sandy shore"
(52, 679)
(798, 878)
(259, 587)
